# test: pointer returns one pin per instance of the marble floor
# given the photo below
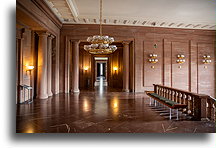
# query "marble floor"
(103, 110)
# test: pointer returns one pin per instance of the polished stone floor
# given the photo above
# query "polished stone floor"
(102, 110)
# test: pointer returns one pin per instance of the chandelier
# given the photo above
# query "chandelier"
(99, 44)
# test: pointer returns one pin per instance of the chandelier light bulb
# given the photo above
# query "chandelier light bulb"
(100, 44)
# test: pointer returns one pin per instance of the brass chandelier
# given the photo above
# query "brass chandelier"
(99, 44)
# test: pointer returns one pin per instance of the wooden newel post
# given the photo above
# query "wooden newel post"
(155, 88)
(197, 108)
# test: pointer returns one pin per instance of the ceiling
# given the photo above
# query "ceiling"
(191, 14)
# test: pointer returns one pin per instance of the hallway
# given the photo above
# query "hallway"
(92, 75)
(96, 112)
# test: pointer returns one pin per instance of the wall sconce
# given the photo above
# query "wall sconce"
(153, 59)
(180, 59)
(206, 59)
(29, 68)
(86, 68)
(115, 68)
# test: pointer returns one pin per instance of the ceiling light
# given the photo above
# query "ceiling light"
(99, 44)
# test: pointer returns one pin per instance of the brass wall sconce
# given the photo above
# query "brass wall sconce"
(115, 68)
(180, 59)
(86, 68)
(29, 68)
(206, 60)
(153, 59)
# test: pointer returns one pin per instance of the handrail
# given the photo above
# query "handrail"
(192, 93)
(200, 106)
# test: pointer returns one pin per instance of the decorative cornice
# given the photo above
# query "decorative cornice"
(48, 12)
(42, 33)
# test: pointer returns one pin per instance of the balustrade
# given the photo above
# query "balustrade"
(199, 106)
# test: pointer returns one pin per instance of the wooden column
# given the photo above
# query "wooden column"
(42, 66)
(49, 65)
(75, 66)
(126, 66)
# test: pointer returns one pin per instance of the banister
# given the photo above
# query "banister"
(200, 106)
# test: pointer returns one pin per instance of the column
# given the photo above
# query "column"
(42, 66)
(56, 43)
(75, 66)
(49, 65)
(67, 66)
(126, 66)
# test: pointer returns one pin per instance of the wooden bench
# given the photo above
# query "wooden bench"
(169, 103)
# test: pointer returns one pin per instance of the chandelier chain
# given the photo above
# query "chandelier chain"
(100, 44)
(101, 17)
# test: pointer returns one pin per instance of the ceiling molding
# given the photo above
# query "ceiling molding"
(69, 13)
(148, 23)
(73, 7)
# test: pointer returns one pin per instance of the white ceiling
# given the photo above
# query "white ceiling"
(191, 14)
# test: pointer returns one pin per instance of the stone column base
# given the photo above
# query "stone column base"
(75, 91)
(125, 90)
(50, 94)
(42, 96)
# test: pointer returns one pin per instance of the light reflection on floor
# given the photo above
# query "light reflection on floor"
(99, 111)
(101, 86)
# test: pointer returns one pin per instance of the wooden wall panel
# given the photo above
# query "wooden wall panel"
(206, 76)
(180, 72)
(85, 75)
(193, 67)
(167, 62)
(170, 43)
(116, 77)
(152, 75)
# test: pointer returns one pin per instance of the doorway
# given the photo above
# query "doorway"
(101, 71)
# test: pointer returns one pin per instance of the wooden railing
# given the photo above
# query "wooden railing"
(199, 106)
(209, 111)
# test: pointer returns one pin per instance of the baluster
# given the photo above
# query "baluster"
(167, 94)
(190, 105)
(170, 94)
(182, 98)
(213, 110)
(209, 109)
(214, 105)
(157, 89)
(173, 95)
(162, 91)
(177, 98)
(186, 100)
